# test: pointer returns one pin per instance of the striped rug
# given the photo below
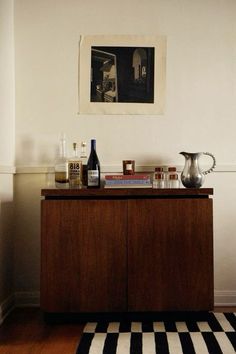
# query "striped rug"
(215, 334)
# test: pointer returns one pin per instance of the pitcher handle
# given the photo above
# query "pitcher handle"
(213, 165)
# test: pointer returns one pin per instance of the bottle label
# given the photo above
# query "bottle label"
(93, 178)
(75, 172)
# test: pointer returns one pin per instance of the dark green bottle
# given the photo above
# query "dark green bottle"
(93, 167)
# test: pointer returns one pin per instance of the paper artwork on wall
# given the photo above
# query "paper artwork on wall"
(122, 74)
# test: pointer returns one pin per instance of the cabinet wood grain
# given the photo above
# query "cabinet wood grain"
(83, 255)
(170, 259)
(126, 250)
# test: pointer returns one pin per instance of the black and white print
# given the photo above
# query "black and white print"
(122, 74)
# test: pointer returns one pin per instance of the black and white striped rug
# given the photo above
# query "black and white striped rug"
(215, 334)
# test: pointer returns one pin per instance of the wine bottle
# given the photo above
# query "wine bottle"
(75, 169)
(61, 165)
(84, 159)
(93, 167)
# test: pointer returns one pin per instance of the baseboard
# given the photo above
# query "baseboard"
(32, 299)
(225, 297)
(18, 299)
(27, 299)
(6, 307)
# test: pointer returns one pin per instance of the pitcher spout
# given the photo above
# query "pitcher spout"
(191, 154)
(184, 153)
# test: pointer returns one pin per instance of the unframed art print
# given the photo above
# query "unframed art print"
(122, 74)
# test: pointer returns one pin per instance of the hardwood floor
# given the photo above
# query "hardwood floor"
(25, 332)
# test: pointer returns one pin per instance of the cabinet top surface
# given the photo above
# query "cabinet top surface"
(126, 192)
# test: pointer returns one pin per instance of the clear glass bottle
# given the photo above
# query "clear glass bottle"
(171, 170)
(172, 178)
(158, 179)
(61, 165)
(93, 167)
(75, 169)
(173, 181)
(84, 159)
(166, 173)
(158, 169)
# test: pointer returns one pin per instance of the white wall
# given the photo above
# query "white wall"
(7, 148)
(7, 83)
(199, 116)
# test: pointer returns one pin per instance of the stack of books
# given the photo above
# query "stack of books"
(128, 181)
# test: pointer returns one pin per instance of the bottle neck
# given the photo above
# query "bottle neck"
(93, 145)
(62, 151)
(75, 150)
(83, 153)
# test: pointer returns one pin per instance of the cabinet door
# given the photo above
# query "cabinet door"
(83, 257)
(170, 254)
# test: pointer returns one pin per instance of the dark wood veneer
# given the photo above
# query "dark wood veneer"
(83, 256)
(126, 250)
(170, 255)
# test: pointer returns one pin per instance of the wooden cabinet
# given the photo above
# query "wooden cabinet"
(126, 250)
(170, 254)
(83, 255)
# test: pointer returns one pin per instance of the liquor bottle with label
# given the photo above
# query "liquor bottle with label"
(93, 167)
(84, 159)
(61, 165)
(75, 169)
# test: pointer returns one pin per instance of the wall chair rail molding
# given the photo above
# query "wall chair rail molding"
(34, 169)
(112, 168)
(7, 169)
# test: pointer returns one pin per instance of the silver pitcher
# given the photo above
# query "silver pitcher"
(192, 176)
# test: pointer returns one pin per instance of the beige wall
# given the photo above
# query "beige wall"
(199, 116)
(6, 238)
(27, 237)
(201, 71)
(7, 149)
